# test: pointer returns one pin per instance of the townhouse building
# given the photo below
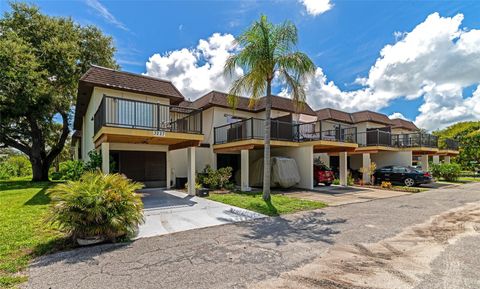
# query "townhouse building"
(144, 128)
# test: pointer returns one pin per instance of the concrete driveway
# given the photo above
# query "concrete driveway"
(169, 211)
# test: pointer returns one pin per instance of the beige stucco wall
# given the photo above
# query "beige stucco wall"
(402, 131)
(381, 159)
(96, 98)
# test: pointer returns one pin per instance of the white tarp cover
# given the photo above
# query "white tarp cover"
(284, 172)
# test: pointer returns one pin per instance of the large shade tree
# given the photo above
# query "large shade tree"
(41, 61)
(268, 51)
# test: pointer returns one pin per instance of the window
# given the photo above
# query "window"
(386, 169)
(400, 170)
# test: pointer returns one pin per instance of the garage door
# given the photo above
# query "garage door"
(149, 168)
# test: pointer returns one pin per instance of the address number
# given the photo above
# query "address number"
(159, 133)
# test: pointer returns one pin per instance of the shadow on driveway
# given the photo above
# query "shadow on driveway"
(311, 227)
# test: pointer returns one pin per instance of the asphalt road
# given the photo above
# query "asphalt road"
(424, 240)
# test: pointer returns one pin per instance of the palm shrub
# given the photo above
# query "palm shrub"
(97, 205)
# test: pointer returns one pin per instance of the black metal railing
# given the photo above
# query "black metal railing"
(451, 144)
(254, 128)
(126, 113)
(384, 138)
(315, 131)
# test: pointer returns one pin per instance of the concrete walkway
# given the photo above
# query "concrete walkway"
(169, 211)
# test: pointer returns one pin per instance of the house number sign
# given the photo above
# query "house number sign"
(159, 133)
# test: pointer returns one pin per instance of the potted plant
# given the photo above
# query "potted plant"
(97, 207)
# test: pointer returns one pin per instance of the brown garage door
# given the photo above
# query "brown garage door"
(147, 167)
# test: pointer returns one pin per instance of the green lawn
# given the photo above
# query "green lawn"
(24, 233)
(280, 204)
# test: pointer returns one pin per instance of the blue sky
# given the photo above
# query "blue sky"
(345, 42)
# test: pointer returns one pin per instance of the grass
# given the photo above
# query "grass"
(253, 201)
(461, 180)
(24, 234)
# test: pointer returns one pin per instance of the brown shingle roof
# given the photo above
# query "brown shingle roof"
(367, 115)
(120, 80)
(215, 98)
(333, 114)
(355, 117)
(402, 123)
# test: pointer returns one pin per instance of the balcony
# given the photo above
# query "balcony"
(387, 139)
(133, 114)
(254, 128)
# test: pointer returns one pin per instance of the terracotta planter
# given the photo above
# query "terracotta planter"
(90, 241)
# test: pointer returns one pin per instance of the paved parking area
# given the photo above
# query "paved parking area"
(170, 211)
(338, 195)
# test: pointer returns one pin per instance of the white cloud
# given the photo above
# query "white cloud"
(397, 115)
(198, 70)
(316, 7)
(103, 12)
(435, 61)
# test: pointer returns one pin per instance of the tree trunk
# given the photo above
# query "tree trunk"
(266, 152)
(39, 170)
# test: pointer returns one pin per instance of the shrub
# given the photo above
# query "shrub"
(97, 205)
(215, 179)
(446, 171)
(69, 170)
(15, 166)
(95, 161)
(386, 185)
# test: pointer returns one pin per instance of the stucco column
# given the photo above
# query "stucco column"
(244, 171)
(436, 159)
(75, 151)
(105, 150)
(343, 168)
(191, 170)
(366, 168)
(447, 159)
(169, 170)
(304, 159)
(424, 161)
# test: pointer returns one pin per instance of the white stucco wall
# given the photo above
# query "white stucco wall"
(303, 156)
(402, 158)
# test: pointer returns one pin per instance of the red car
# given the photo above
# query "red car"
(322, 174)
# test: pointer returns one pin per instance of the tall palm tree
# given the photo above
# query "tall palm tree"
(267, 51)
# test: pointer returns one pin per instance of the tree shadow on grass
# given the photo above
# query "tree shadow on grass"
(22, 184)
(308, 227)
(40, 198)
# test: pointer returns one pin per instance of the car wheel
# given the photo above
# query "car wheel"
(409, 182)
(327, 184)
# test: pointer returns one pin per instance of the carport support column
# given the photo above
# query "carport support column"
(191, 170)
(105, 148)
(366, 168)
(245, 170)
(436, 159)
(447, 159)
(343, 168)
(424, 161)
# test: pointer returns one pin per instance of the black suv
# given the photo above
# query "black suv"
(408, 176)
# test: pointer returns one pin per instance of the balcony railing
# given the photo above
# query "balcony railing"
(313, 131)
(254, 128)
(451, 144)
(126, 113)
(385, 138)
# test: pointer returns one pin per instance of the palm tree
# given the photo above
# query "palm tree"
(268, 51)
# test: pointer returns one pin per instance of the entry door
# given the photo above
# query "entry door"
(147, 167)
